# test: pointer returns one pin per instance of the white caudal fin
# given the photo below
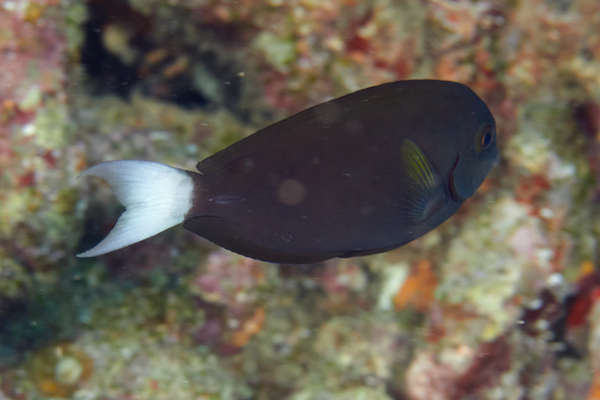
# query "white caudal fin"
(156, 197)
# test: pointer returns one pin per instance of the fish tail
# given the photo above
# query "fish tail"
(156, 197)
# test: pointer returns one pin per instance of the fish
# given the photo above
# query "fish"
(358, 175)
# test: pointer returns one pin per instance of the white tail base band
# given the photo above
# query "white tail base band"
(156, 197)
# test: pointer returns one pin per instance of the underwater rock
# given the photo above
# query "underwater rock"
(60, 370)
(513, 266)
(228, 279)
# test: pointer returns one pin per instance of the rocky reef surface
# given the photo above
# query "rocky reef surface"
(500, 302)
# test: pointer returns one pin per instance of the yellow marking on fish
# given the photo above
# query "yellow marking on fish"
(420, 169)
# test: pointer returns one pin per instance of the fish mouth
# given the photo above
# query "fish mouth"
(496, 160)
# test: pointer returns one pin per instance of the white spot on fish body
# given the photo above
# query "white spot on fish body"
(291, 192)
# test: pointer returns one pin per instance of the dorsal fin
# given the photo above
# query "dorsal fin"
(215, 163)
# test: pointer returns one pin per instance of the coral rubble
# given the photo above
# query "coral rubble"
(500, 302)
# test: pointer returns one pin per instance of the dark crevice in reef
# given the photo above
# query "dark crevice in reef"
(27, 326)
(174, 58)
(108, 74)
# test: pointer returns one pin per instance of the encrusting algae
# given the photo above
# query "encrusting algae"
(498, 302)
(60, 370)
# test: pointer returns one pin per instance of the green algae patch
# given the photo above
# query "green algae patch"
(15, 281)
(280, 52)
(53, 129)
(482, 279)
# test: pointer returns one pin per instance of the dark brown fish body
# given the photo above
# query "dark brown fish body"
(331, 181)
(358, 175)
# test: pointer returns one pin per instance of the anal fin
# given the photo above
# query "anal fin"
(216, 230)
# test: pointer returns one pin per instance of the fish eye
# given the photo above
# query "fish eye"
(486, 137)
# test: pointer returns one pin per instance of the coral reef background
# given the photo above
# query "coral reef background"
(500, 302)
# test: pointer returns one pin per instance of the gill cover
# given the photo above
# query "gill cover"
(461, 185)
(474, 163)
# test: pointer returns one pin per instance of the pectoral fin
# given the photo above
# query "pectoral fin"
(424, 191)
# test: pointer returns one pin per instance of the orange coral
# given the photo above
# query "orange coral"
(586, 268)
(418, 289)
(594, 392)
(250, 328)
(33, 12)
